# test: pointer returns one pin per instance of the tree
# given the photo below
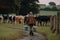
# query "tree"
(47, 8)
(53, 6)
(6, 6)
(9, 6)
(52, 3)
(28, 5)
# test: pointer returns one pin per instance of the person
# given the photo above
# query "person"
(31, 22)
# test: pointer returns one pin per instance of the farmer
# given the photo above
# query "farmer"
(31, 22)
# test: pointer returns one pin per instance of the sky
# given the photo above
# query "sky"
(47, 1)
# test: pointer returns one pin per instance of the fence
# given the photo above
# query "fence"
(55, 23)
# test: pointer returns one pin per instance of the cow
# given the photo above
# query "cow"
(19, 19)
(13, 19)
(25, 19)
(9, 19)
(5, 18)
(43, 20)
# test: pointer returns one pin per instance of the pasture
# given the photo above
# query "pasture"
(7, 33)
(41, 13)
(48, 33)
(47, 13)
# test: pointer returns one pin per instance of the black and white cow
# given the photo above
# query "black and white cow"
(11, 19)
(5, 18)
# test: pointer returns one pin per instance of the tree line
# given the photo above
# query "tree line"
(19, 7)
(51, 7)
(22, 7)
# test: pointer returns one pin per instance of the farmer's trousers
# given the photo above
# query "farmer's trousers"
(31, 26)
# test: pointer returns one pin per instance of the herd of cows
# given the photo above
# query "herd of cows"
(10, 19)
(40, 20)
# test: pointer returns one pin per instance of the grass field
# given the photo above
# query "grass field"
(48, 33)
(6, 33)
(47, 12)
(42, 13)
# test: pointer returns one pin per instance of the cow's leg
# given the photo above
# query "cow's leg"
(11, 21)
(3, 20)
(0, 20)
(45, 23)
(40, 23)
(15, 21)
(19, 21)
(7, 20)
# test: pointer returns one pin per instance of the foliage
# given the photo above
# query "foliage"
(28, 5)
(7, 6)
(52, 3)
(52, 7)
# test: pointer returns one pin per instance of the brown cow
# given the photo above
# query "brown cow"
(19, 19)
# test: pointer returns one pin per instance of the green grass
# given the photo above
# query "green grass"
(49, 34)
(47, 12)
(7, 33)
